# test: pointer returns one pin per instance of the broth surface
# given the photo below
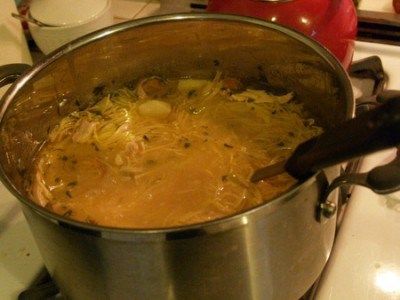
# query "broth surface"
(168, 153)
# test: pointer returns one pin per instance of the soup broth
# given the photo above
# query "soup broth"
(168, 153)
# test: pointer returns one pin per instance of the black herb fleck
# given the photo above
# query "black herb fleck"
(191, 93)
(68, 193)
(146, 138)
(273, 112)
(98, 90)
(97, 113)
(72, 183)
(186, 145)
(114, 94)
(250, 100)
(216, 62)
(77, 103)
(58, 110)
(21, 171)
(150, 162)
(281, 144)
(64, 158)
(228, 146)
(130, 84)
(74, 161)
(57, 179)
(290, 133)
(224, 177)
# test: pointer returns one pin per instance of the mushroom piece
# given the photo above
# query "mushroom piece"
(152, 87)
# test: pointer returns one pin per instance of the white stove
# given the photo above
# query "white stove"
(365, 261)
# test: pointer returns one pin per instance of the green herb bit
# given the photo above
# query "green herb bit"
(72, 183)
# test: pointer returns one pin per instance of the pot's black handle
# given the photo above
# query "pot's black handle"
(387, 95)
(10, 73)
(372, 131)
(384, 179)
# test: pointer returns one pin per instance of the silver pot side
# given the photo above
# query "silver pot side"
(274, 255)
(273, 251)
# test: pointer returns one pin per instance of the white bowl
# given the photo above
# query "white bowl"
(70, 19)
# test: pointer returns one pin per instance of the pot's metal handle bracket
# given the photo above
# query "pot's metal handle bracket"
(370, 67)
(10, 73)
(382, 180)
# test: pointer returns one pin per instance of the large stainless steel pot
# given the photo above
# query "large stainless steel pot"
(276, 250)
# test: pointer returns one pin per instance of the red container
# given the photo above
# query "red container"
(331, 22)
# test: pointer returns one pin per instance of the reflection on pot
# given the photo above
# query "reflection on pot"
(332, 23)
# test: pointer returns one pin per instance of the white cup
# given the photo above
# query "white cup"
(68, 21)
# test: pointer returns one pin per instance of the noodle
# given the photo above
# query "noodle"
(168, 153)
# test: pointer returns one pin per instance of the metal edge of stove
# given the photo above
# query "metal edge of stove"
(378, 27)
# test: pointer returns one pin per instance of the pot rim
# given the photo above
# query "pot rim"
(185, 231)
